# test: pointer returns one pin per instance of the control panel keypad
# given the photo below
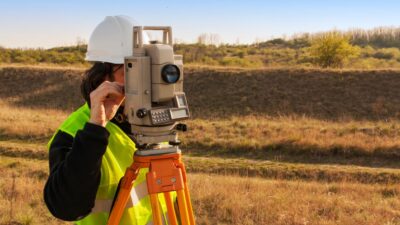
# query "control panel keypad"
(160, 116)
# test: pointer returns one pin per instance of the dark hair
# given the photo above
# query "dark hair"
(94, 76)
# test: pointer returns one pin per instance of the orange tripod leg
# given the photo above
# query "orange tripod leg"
(189, 205)
(170, 209)
(186, 189)
(166, 174)
(155, 206)
(183, 210)
(123, 195)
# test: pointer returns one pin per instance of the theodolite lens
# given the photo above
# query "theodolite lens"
(170, 74)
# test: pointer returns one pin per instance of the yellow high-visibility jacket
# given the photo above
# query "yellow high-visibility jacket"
(117, 158)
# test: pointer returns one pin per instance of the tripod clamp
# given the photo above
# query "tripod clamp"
(166, 174)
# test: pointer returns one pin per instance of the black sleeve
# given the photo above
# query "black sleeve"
(75, 163)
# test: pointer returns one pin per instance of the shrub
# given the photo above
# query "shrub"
(332, 50)
(239, 62)
(387, 53)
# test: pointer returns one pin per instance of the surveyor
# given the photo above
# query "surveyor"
(91, 150)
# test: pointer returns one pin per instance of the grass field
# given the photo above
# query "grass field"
(306, 147)
(233, 199)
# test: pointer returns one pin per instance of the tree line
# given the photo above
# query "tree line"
(376, 48)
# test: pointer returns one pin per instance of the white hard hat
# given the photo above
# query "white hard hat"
(111, 40)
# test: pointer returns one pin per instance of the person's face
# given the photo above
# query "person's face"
(119, 74)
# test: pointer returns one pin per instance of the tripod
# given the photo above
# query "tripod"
(166, 174)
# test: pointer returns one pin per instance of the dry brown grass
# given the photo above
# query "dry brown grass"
(21, 191)
(329, 140)
(284, 148)
(223, 199)
(257, 135)
(27, 123)
(233, 200)
(290, 100)
(323, 172)
(31, 113)
(50, 66)
(218, 93)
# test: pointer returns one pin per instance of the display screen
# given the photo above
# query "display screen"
(181, 100)
(179, 113)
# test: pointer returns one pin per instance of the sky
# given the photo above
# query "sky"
(46, 24)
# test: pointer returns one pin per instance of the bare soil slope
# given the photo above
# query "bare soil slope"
(331, 95)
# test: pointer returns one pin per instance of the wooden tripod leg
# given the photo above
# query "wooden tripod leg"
(170, 209)
(123, 195)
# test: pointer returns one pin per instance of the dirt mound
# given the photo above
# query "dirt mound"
(41, 88)
(312, 93)
(332, 95)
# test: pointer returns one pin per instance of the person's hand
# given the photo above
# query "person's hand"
(105, 101)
